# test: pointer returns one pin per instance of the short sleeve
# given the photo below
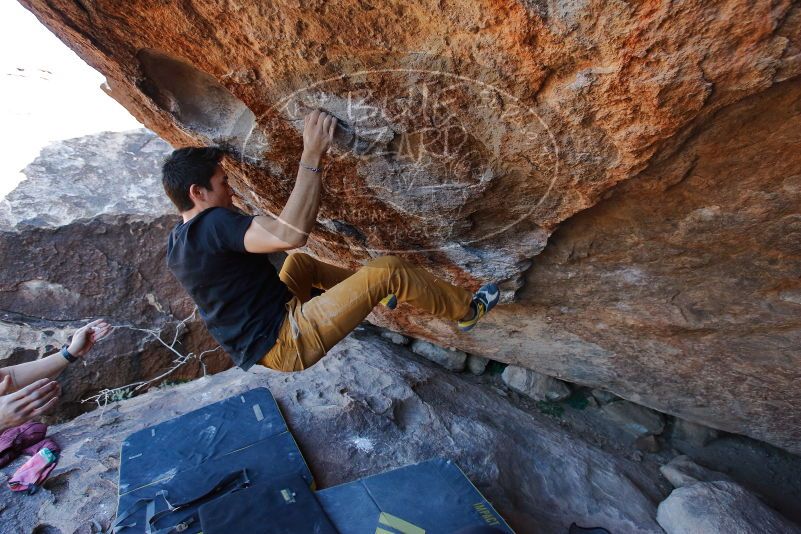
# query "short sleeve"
(224, 229)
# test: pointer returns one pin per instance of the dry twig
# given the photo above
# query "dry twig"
(105, 396)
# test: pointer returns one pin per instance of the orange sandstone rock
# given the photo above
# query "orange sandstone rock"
(652, 146)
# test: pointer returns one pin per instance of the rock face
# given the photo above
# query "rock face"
(110, 173)
(56, 277)
(367, 407)
(713, 507)
(653, 147)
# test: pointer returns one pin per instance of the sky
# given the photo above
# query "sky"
(47, 93)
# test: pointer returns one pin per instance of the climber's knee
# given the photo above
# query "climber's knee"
(385, 273)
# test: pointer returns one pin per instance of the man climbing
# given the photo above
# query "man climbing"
(258, 316)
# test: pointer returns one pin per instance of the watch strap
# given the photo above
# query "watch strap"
(69, 357)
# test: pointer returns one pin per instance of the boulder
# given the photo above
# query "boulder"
(366, 408)
(112, 173)
(534, 385)
(635, 419)
(600, 161)
(477, 364)
(682, 471)
(714, 507)
(451, 359)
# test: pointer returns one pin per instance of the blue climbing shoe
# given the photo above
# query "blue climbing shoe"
(390, 301)
(483, 301)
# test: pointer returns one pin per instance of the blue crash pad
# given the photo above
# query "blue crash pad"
(283, 506)
(190, 454)
(187, 457)
(434, 497)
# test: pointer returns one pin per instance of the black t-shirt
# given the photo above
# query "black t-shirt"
(239, 294)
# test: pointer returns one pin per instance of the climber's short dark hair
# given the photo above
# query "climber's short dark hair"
(187, 166)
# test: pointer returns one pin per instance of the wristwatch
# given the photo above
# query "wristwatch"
(69, 357)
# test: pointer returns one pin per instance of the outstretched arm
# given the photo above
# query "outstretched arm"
(51, 366)
(292, 227)
(29, 389)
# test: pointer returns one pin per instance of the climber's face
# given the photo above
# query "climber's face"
(220, 195)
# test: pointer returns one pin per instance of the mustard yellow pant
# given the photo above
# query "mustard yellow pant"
(313, 325)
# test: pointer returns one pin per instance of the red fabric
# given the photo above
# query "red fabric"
(27, 438)
(32, 473)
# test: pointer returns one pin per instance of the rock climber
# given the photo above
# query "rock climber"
(260, 316)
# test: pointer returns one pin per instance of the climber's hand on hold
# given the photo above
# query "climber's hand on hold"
(318, 132)
(291, 228)
(27, 403)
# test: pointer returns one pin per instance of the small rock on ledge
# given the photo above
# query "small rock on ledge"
(682, 471)
(453, 360)
(635, 419)
(395, 337)
(693, 434)
(535, 385)
(477, 364)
